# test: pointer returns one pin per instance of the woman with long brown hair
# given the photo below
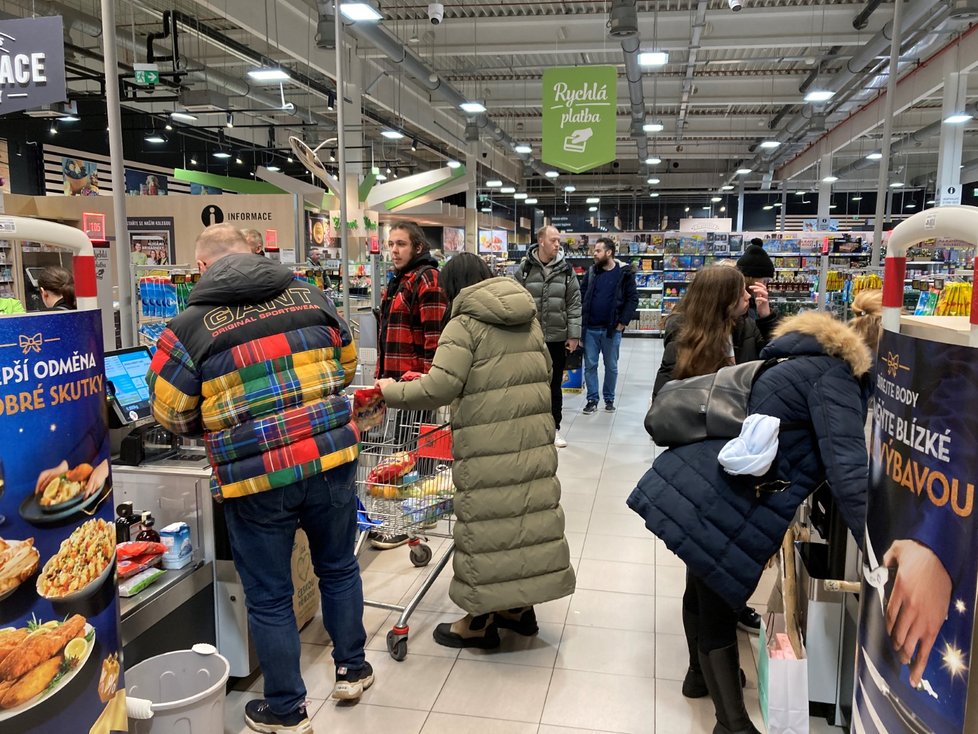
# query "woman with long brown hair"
(709, 329)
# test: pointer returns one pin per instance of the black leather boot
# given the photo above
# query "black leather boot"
(694, 686)
(721, 670)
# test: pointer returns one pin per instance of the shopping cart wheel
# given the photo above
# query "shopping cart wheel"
(420, 554)
(397, 645)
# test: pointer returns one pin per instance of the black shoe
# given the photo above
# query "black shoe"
(259, 717)
(350, 684)
(749, 621)
(609, 407)
(479, 632)
(522, 620)
(386, 541)
(591, 407)
(721, 670)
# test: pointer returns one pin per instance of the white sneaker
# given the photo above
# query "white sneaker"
(559, 441)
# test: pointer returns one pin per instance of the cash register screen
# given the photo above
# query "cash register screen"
(125, 372)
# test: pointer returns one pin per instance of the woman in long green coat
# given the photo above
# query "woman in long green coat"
(492, 365)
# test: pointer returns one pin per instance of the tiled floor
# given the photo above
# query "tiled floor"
(608, 659)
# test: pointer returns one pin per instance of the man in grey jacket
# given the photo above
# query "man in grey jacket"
(552, 283)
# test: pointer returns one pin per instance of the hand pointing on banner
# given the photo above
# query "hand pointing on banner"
(576, 142)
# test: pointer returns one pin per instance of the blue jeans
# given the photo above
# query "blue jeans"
(262, 529)
(597, 342)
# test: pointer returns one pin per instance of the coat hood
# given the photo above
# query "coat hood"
(533, 257)
(500, 301)
(815, 332)
(241, 278)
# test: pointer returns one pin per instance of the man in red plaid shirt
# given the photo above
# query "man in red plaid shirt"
(411, 316)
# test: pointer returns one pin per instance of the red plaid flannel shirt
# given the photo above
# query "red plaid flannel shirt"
(411, 317)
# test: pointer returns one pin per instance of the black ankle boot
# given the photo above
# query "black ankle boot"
(721, 669)
(694, 686)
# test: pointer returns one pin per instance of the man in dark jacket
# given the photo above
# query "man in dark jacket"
(609, 302)
(257, 364)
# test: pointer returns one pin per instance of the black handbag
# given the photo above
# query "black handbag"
(575, 359)
(705, 406)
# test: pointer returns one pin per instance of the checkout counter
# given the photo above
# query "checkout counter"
(170, 478)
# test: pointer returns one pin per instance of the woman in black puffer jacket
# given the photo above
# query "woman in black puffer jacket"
(725, 528)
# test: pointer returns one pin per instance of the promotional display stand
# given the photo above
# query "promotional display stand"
(60, 666)
(915, 647)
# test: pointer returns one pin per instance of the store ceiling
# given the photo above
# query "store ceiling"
(748, 67)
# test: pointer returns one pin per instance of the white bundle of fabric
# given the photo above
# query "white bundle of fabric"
(753, 451)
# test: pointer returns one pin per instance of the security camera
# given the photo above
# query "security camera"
(436, 13)
(736, 5)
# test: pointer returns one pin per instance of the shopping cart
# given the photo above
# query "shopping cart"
(404, 485)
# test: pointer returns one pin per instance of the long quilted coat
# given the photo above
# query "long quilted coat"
(493, 363)
(718, 524)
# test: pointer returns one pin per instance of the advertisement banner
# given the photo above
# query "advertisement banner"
(453, 240)
(141, 183)
(917, 609)
(59, 612)
(32, 65)
(580, 113)
(493, 242)
(80, 177)
(151, 240)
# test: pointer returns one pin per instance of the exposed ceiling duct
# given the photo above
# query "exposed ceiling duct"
(699, 22)
(630, 45)
(921, 14)
(428, 79)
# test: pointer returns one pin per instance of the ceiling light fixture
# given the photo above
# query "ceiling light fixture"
(819, 95)
(592, 208)
(570, 189)
(289, 160)
(932, 201)
(830, 179)
(360, 12)
(494, 183)
(453, 164)
(726, 187)
(833, 206)
(414, 144)
(687, 209)
(273, 167)
(874, 156)
(654, 194)
(392, 134)
(592, 200)
(269, 74)
(523, 148)
(380, 177)
(708, 208)
(486, 209)
(507, 190)
(770, 144)
(521, 195)
(653, 58)
(777, 205)
(330, 102)
(723, 209)
(239, 161)
(154, 137)
(744, 171)
(473, 108)
(168, 126)
(551, 174)
(653, 181)
(653, 127)
(857, 198)
(221, 154)
(653, 161)
(230, 120)
(897, 185)
(957, 118)
(193, 161)
(909, 205)
(768, 207)
(69, 118)
(530, 202)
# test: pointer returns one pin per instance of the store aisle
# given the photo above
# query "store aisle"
(609, 659)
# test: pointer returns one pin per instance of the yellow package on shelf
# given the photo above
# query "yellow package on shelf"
(955, 300)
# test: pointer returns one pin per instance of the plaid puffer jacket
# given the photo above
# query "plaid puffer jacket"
(411, 315)
(256, 364)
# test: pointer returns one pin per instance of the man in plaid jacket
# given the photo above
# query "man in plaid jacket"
(257, 364)
(413, 306)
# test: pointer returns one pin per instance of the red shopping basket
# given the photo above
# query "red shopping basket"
(434, 442)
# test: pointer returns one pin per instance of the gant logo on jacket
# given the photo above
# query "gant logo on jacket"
(225, 318)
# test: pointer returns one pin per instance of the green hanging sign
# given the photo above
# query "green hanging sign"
(580, 114)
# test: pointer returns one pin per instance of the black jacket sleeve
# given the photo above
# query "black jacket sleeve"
(838, 410)
(671, 343)
(766, 325)
(629, 297)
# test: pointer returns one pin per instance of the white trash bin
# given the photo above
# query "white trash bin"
(179, 692)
